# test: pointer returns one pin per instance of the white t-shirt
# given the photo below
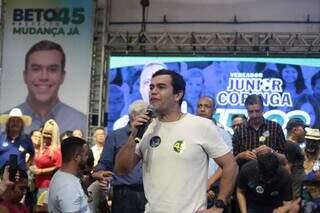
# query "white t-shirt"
(213, 166)
(66, 194)
(175, 163)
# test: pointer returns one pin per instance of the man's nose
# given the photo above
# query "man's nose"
(153, 91)
(201, 108)
(44, 74)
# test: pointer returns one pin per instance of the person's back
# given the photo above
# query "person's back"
(63, 186)
(263, 185)
(65, 191)
(264, 194)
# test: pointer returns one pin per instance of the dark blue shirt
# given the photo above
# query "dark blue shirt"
(114, 141)
(19, 146)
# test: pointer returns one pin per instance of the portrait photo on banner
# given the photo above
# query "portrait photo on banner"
(46, 62)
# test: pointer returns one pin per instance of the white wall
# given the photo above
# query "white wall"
(218, 10)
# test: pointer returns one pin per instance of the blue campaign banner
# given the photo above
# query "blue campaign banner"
(290, 87)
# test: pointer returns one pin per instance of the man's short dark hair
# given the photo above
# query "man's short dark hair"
(315, 78)
(177, 81)
(70, 147)
(253, 99)
(268, 165)
(33, 131)
(294, 122)
(43, 46)
(242, 116)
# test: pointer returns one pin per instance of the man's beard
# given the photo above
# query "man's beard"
(81, 167)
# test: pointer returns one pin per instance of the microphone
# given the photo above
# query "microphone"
(143, 127)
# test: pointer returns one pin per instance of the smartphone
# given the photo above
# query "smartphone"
(310, 196)
(13, 167)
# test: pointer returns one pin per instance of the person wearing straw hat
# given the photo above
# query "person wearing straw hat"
(312, 154)
(13, 140)
(312, 169)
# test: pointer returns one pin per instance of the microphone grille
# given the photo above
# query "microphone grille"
(151, 112)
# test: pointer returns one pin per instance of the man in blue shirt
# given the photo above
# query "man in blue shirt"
(43, 75)
(13, 140)
(206, 108)
(128, 194)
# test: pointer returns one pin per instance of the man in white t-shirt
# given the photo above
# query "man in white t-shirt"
(174, 151)
(65, 191)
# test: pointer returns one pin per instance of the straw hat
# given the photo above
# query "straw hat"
(313, 134)
(16, 112)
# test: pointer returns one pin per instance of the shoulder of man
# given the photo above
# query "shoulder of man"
(272, 123)
(70, 111)
(201, 120)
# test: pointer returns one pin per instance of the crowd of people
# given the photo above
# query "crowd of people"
(170, 161)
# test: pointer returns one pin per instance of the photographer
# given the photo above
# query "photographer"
(5, 182)
(12, 193)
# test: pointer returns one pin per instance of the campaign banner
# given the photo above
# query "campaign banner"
(40, 27)
(289, 87)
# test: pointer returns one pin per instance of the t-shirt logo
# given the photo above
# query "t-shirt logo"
(179, 146)
(21, 149)
(155, 141)
(259, 190)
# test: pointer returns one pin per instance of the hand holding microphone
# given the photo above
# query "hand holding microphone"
(142, 122)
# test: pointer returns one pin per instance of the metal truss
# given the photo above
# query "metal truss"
(97, 96)
(220, 43)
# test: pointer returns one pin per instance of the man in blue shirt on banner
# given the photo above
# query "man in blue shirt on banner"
(44, 74)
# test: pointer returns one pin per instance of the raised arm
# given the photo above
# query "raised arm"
(127, 158)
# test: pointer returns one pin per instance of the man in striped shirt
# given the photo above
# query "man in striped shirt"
(258, 136)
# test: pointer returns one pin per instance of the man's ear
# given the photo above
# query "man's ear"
(25, 76)
(76, 156)
(214, 111)
(63, 76)
(179, 95)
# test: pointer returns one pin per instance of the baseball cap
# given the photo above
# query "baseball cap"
(294, 122)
